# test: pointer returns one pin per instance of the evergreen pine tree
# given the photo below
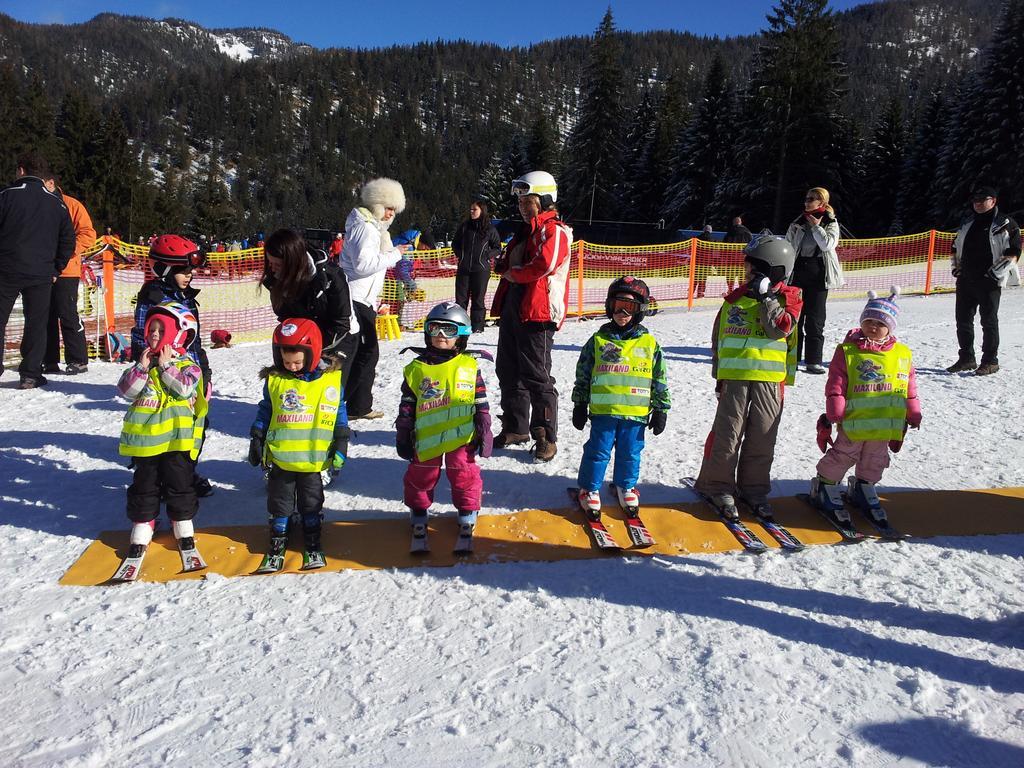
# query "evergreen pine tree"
(494, 185)
(917, 185)
(792, 135)
(875, 215)
(983, 146)
(593, 172)
(542, 149)
(701, 154)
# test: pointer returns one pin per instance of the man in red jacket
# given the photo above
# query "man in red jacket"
(530, 302)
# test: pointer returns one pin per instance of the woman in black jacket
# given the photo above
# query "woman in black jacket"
(476, 244)
(303, 283)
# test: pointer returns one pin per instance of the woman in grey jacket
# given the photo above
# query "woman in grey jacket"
(814, 236)
(476, 245)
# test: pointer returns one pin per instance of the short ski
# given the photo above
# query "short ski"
(781, 534)
(884, 530)
(638, 533)
(131, 566)
(847, 530)
(191, 560)
(273, 561)
(313, 559)
(602, 537)
(746, 537)
(418, 545)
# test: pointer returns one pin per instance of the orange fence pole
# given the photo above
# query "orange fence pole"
(693, 272)
(579, 282)
(931, 261)
(108, 288)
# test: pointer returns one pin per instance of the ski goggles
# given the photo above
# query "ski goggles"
(628, 305)
(520, 188)
(442, 328)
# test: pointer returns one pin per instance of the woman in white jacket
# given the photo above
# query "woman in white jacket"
(814, 236)
(365, 257)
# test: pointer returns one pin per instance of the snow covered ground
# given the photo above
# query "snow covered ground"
(872, 655)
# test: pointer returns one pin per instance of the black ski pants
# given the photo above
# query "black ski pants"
(809, 277)
(471, 288)
(64, 321)
(288, 491)
(974, 293)
(359, 386)
(35, 302)
(523, 365)
(171, 471)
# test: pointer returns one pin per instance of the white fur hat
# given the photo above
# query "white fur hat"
(378, 194)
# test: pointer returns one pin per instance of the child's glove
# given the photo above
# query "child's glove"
(759, 287)
(657, 422)
(405, 442)
(484, 440)
(579, 416)
(406, 449)
(337, 460)
(256, 440)
(824, 433)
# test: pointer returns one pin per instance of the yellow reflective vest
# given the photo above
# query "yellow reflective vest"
(159, 421)
(876, 392)
(302, 417)
(745, 352)
(620, 381)
(445, 404)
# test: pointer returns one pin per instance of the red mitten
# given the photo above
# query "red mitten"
(824, 433)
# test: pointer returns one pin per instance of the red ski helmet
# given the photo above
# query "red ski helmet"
(178, 322)
(170, 251)
(299, 333)
(634, 287)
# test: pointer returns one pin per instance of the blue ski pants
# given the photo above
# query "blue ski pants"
(606, 433)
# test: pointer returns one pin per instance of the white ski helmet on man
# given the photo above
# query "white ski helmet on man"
(771, 256)
(540, 183)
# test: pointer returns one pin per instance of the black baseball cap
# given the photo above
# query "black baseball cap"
(980, 193)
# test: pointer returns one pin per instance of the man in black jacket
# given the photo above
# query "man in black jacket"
(985, 248)
(37, 239)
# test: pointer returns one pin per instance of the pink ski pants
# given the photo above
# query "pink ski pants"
(870, 456)
(463, 474)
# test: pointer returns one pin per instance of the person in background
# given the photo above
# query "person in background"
(37, 239)
(366, 256)
(476, 245)
(334, 253)
(736, 233)
(700, 284)
(986, 247)
(814, 236)
(64, 320)
(530, 301)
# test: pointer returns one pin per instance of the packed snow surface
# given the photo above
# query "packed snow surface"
(869, 655)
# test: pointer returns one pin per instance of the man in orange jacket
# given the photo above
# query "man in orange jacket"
(64, 319)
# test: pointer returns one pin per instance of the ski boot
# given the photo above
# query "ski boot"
(761, 508)
(629, 500)
(590, 503)
(312, 552)
(829, 498)
(185, 533)
(726, 506)
(863, 495)
(419, 532)
(142, 535)
(467, 522)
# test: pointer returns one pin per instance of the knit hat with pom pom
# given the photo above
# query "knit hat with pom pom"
(883, 310)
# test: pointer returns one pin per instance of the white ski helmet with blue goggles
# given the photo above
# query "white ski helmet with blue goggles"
(449, 321)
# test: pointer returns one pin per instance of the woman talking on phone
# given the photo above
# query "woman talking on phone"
(814, 236)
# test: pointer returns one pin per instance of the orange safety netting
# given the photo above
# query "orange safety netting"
(684, 274)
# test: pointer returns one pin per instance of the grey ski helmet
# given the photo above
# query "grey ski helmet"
(771, 256)
(450, 312)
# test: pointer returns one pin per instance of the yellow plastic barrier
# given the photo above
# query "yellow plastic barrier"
(547, 535)
(387, 327)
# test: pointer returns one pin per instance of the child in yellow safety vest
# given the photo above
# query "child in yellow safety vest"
(753, 358)
(300, 430)
(443, 417)
(871, 393)
(622, 386)
(163, 428)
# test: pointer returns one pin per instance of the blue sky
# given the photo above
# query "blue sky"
(375, 23)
